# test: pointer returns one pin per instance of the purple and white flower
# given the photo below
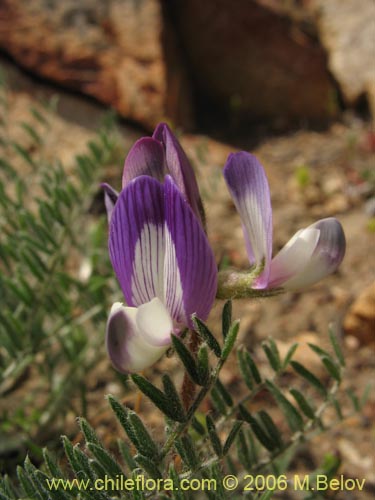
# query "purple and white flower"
(165, 267)
(158, 156)
(311, 254)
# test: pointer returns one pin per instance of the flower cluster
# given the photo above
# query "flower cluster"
(162, 258)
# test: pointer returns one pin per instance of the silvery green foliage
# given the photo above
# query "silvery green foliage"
(47, 312)
(230, 440)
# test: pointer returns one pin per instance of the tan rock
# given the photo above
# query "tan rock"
(119, 51)
(347, 31)
(336, 204)
(359, 321)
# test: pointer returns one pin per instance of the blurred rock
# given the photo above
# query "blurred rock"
(255, 59)
(336, 204)
(122, 52)
(359, 321)
(351, 342)
(347, 32)
(352, 456)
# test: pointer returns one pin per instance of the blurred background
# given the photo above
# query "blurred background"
(293, 81)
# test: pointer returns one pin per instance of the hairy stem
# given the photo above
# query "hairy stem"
(238, 285)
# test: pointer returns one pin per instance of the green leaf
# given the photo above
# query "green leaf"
(137, 494)
(227, 398)
(245, 369)
(272, 359)
(84, 463)
(243, 451)
(40, 492)
(304, 405)
(26, 483)
(121, 413)
(186, 449)
(207, 336)
(155, 395)
(258, 430)
(214, 438)
(354, 399)
(203, 364)
(253, 368)
(52, 467)
(126, 454)
(226, 318)
(231, 436)
(24, 154)
(289, 354)
(88, 432)
(331, 368)
(336, 347)
(214, 472)
(218, 401)
(310, 377)
(148, 465)
(177, 493)
(337, 408)
(7, 488)
(271, 428)
(275, 351)
(187, 359)
(318, 350)
(40, 481)
(108, 463)
(174, 399)
(31, 132)
(41, 119)
(230, 340)
(146, 445)
(293, 418)
(253, 449)
(69, 452)
(365, 395)
(197, 426)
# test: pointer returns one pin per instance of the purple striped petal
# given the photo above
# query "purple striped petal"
(180, 169)
(158, 249)
(249, 189)
(309, 256)
(136, 240)
(188, 247)
(146, 157)
(127, 345)
(110, 199)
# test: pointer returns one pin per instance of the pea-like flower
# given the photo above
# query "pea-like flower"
(311, 254)
(165, 267)
(156, 157)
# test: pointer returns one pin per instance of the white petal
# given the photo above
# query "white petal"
(293, 257)
(127, 347)
(155, 323)
(311, 254)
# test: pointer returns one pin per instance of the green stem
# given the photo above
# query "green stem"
(238, 285)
